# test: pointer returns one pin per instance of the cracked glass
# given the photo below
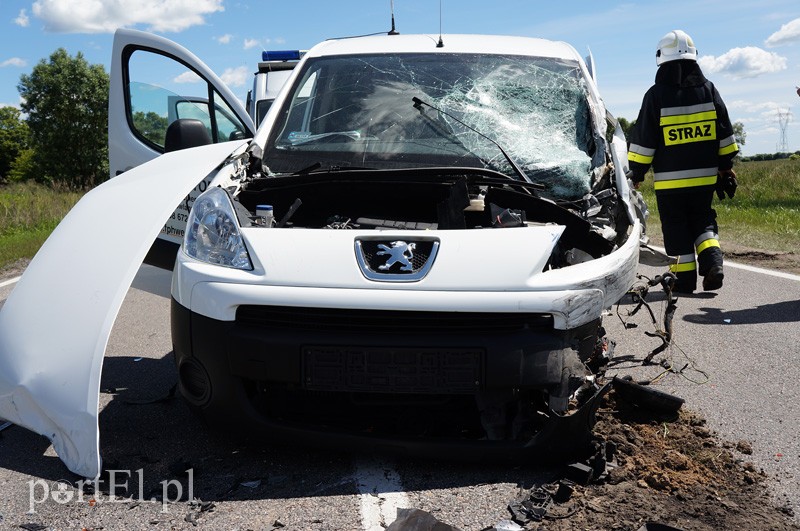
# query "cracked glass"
(357, 111)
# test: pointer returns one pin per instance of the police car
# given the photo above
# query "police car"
(274, 69)
(413, 251)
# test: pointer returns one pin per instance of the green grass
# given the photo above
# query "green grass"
(28, 214)
(765, 213)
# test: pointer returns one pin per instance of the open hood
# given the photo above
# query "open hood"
(55, 325)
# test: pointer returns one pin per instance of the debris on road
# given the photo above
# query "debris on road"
(418, 520)
(651, 473)
(646, 397)
(639, 293)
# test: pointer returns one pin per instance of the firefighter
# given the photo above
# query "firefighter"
(684, 132)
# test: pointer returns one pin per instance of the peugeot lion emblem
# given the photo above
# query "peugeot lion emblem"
(399, 253)
(390, 260)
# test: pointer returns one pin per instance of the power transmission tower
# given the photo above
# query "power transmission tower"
(783, 121)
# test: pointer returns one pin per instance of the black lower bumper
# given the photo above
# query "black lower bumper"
(225, 367)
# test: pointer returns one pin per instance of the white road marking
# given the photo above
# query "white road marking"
(770, 272)
(752, 269)
(380, 493)
(9, 281)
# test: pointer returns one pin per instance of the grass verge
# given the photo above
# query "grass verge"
(28, 214)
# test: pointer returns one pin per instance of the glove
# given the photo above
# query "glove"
(726, 184)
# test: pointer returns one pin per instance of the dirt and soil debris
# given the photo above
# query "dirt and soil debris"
(668, 471)
(782, 261)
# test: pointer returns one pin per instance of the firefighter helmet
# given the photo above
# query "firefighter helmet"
(675, 45)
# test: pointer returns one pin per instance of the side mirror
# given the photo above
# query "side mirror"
(186, 133)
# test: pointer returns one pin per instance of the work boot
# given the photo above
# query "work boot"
(713, 279)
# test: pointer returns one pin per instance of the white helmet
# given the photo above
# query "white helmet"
(675, 45)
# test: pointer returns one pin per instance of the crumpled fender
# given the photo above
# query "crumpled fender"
(55, 325)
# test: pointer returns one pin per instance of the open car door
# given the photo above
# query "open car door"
(55, 325)
(158, 91)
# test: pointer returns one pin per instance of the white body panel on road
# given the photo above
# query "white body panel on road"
(55, 324)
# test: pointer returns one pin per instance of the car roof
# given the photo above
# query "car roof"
(489, 44)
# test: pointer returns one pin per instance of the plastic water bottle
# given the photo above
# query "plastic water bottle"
(265, 216)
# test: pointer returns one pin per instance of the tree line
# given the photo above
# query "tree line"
(63, 137)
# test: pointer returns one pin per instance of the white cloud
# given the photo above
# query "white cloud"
(14, 61)
(251, 43)
(22, 19)
(743, 62)
(92, 16)
(789, 32)
(187, 77)
(280, 40)
(749, 106)
(235, 77)
(225, 39)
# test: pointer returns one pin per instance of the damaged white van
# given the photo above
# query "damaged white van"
(414, 251)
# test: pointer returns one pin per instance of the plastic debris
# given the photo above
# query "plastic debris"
(531, 506)
(254, 484)
(727, 321)
(506, 525)
(646, 397)
(158, 400)
(653, 526)
(418, 520)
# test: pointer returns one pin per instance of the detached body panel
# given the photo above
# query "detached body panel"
(55, 325)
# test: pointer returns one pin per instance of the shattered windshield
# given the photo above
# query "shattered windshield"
(357, 111)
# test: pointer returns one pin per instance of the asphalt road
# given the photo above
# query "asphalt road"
(741, 349)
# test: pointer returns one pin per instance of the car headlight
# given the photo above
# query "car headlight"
(212, 232)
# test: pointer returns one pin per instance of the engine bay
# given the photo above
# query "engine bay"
(437, 199)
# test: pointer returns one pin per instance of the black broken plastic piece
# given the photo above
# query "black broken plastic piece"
(647, 397)
(653, 526)
(418, 520)
(158, 400)
(580, 473)
(564, 492)
(531, 507)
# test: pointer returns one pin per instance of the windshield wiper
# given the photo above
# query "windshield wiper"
(418, 103)
(333, 168)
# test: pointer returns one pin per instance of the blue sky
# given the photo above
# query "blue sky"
(751, 50)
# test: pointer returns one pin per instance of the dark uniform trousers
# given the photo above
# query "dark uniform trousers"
(689, 227)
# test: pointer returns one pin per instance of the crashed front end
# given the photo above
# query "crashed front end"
(422, 289)
(425, 369)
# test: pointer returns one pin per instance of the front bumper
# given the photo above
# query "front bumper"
(226, 366)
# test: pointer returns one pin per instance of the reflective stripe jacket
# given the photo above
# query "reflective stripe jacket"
(683, 130)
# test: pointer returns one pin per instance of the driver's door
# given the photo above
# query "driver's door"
(154, 84)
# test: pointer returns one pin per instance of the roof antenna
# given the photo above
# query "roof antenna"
(440, 44)
(391, 7)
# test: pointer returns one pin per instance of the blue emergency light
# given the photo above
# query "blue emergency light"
(281, 55)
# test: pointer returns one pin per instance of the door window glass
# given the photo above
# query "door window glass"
(162, 90)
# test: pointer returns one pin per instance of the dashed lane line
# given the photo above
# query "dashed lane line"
(380, 493)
